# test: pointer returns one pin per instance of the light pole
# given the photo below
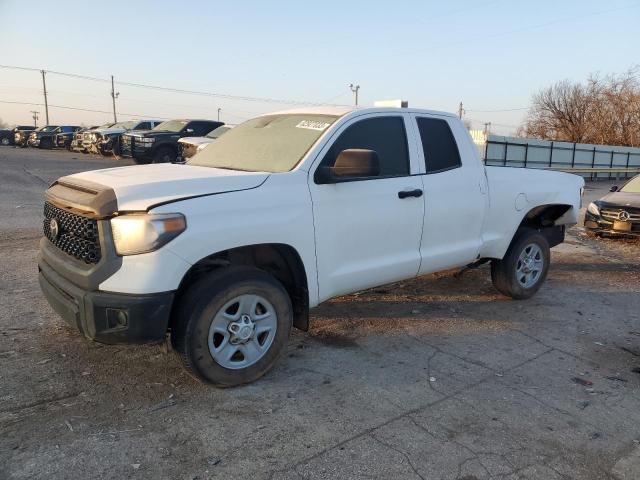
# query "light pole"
(354, 89)
(219, 113)
(114, 95)
(44, 90)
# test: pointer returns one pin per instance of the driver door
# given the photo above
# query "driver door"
(368, 229)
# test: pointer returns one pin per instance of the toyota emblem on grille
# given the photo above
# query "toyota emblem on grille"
(53, 227)
(624, 216)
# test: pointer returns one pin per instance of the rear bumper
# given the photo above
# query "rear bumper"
(107, 317)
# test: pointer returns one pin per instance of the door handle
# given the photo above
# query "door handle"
(410, 193)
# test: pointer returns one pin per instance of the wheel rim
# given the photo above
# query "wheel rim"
(242, 331)
(530, 265)
(5, 141)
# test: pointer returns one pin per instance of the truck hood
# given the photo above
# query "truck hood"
(140, 187)
(196, 140)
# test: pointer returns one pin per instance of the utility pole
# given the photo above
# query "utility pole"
(219, 113)
(44, 89)
(114, 95)
(460, 111)
(35, 117)
(487, 128)
(354, 89)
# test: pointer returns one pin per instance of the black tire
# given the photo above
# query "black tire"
(196, 312)
(504, 273)
(165, 155)
(4, 141)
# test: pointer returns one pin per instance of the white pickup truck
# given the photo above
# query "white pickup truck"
(232, 249)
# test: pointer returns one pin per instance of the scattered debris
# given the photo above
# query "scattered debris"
(432, 379)
(42, 362)
(582, 381)
(584, 404)
(162, 405)
(595, 435)
(213, 461)
(135, 466)
(69, 426)
(499, 375)
(634, 333)
(599, 343)
(617, 379)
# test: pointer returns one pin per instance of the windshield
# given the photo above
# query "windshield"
(273, 143)
(217, 132)
(633, 186)
(126, 125)
(49, 128)
(171, 126)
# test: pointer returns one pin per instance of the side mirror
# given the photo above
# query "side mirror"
(614, 188)
(351, 163)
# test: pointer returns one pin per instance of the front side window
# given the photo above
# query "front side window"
(438, 144)
(272, 143)
(384, 135)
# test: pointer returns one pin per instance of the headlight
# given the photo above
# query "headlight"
(593, 209)
(142, 233)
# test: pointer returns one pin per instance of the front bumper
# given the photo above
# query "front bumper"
(597, 224)
(107, 317)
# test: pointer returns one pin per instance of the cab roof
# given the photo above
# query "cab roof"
(340, 111)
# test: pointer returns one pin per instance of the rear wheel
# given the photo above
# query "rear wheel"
(164, 155)
(232, 326)
(4, 141)
(522, 271)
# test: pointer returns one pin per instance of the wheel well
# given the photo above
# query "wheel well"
(544, 216)
(280, 260)
(543, 219)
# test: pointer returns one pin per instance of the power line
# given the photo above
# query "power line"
(499, 110)
(174, 90)
(136, 115)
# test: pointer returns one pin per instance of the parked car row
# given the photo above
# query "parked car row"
(145, 141)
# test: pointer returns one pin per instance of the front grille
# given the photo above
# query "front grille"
(126, 145)
(614, 213)
(77, 235)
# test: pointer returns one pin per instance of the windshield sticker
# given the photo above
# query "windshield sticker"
(313, 125)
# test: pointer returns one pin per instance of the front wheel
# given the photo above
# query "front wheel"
(4, 141)
(522, 271)
(232, 326)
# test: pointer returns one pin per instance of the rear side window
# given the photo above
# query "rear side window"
(439, 146)
(143, 126)
(385, 135)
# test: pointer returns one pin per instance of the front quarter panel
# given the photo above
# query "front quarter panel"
(278, 211)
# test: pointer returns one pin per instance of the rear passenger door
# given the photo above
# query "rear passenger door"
(455, 193)
(366, 233)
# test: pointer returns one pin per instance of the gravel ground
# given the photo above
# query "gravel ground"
(434, 378)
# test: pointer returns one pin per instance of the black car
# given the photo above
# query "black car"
(160, 145)
(21, 138)
(617, 213)
(47, 139)
(7, 137)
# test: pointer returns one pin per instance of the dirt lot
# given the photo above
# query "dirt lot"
(437, 378)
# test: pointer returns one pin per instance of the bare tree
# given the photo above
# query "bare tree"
(602, 110)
